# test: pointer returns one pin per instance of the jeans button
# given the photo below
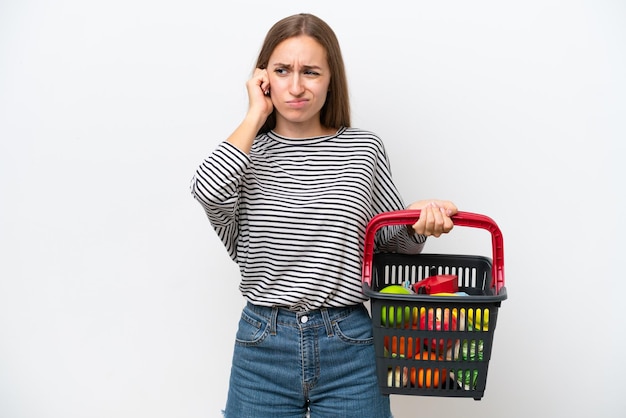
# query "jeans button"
(304, 319)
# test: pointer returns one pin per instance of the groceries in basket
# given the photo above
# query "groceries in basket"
(421, 376)
(440, 320)
(481, 322)
(457, 353)
(439, 283)
(427, 377)
(401, 347)
(389, 317)
(398, 377)
(465, 352)
(417, 375)
(470, 351)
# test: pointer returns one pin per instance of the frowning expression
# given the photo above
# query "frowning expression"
(299, 77)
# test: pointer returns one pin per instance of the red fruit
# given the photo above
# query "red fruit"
(439, 320)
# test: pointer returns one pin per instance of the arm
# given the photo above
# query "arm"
(215, 185)
(434, 218)
(218, 179)
(259, 108)
(216, 182)
(387, 198)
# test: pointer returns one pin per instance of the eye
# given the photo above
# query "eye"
(280, 71)
(311, 72)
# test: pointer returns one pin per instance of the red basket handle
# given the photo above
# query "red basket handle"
(409, 217)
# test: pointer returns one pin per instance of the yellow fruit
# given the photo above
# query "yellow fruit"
(481, 320)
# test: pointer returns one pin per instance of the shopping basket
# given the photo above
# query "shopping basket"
(433, 344)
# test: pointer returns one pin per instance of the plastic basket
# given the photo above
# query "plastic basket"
(432, 345)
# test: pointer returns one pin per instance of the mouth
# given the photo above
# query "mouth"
(297, 103)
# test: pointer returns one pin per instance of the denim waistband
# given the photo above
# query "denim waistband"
(277, 315)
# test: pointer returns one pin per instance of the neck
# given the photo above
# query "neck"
(302, 129)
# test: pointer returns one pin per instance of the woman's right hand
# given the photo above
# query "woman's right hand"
(260, 106)
(260, 101)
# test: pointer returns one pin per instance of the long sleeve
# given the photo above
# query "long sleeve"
(216, 186)
(387, 199)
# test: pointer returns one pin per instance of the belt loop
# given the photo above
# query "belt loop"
(273, 317)
(327, 323)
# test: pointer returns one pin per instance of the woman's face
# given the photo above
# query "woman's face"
(299, 77)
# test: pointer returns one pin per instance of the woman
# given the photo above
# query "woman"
(290, 193)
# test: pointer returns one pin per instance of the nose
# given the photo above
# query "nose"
(296, 87)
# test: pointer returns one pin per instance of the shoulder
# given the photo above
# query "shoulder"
(363, 136)
(358, 133)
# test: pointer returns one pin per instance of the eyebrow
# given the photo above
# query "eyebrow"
(305, 67)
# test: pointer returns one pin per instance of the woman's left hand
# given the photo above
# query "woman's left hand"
(435, 217)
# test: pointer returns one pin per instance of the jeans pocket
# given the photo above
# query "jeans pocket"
(355, 328)
(251, 330)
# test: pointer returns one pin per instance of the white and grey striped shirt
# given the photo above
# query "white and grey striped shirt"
(292, 214)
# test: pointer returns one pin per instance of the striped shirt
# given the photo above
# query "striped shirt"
(292, 214)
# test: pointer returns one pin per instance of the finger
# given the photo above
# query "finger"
(448, 224)
(423, 226)
(419, 225)
(437, 224)
(450, 208)
(260, 72)
(262, 80)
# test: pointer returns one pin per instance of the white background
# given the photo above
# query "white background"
(118, 300)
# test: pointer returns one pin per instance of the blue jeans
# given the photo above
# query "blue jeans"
(286, 364)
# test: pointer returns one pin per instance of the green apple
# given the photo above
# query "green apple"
(399, 319)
